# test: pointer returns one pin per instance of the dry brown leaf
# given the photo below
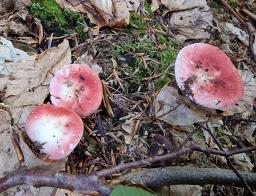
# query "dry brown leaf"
(155, 5)
(102, 12)
(121, 13)
(189, 19)
(243, 162)
(177, 5)
(8, 158)
(133, 5)
(185, 190)
(172, 110)
(16, 23)
(27, 84)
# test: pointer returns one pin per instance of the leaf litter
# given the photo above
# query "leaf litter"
(128, 127)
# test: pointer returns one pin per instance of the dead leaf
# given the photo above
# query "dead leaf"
(189, 19)
(192, 24)
(8, 158)
(17, 24)
(239, 33)
(88, 59)
(243, 162)
(9, 53)
(155, 5)
(177, 5)
(27, 84)
(185, 190)
(102, 12)
(133, 5)
(172, 110)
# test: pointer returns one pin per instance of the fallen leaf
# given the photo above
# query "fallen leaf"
(171, 109)
(243, 162)
(155, 4)
(17, 24)
(177, 5)
(133, 5)
(189, 19)
(8, 158)
(10, 54)
(185, 190)
(27, 84)
(102, 12)
(88, 59)
(239, 33)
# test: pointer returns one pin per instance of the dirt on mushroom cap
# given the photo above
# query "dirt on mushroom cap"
(78, 88)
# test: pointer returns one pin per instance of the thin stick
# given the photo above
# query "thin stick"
(38, 178)
(248, 13)
(227, 158)
(246, 25)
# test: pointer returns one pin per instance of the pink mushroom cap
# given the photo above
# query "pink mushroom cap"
(56, 130)
(207, 76)
(78, 88)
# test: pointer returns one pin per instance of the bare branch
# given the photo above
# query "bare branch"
(89, 184)
(172, 156)
(158, 177)
(39, 178)
(227, 158)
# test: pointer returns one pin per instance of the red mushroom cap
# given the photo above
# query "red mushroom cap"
(78, 88)
(207, 76)
(56, 130)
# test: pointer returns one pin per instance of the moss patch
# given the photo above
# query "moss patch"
(57, 20)
(158, 57)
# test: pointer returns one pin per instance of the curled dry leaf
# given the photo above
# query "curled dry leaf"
(18, 24)
(27, 84)
(170, 108)
(189, 19)
(102, 12)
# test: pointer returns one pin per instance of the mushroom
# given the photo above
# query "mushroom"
(207, 76)
(56, 130)
(78, 88)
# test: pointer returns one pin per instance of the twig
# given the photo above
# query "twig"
(246, 25)
(158, 177)
(227, 158)
(38, 178)
(89, 184)
(172, 156)
(248, 13)
(190, 135)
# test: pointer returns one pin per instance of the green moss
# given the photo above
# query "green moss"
(234, 4)
(55, 19)
(160, 57)
(138, 22)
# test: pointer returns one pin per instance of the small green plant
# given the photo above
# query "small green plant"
(57, 20)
